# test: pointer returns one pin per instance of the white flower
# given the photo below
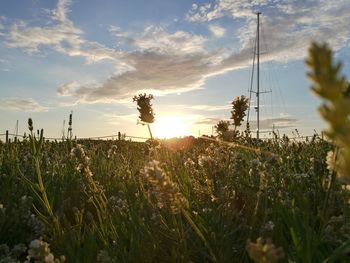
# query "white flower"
(330, 160)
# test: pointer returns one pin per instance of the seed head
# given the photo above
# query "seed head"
(30, 124)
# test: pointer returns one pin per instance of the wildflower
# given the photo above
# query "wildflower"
(161, 189)
(205, 160)
(269, 226)
(39, 251)
(112, 151)
(264, 251)
(330, 160)
(189, 163)
(103, 257)
(18, 250)
(118, 204)
(83, 167)
(4, 249)
(254, 172)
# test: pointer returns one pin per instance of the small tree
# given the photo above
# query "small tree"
(221, 128)
(145, 109)
(239, 107)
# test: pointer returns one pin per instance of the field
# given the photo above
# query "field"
(120, 201)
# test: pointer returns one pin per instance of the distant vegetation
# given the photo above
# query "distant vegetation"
(184, 200)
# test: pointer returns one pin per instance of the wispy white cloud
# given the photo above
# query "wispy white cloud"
(2, 27)
(22, 105)
(208, 121)
(204, 107)
(157, 39)
(236, 9)
(5, 65)
(277, 123)
(60, 13)
(60, 34)
(67, 88)
(217, 31)
(117, 119)
(264, 124)
(287, 26)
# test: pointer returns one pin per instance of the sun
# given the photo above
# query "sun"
(169, 127)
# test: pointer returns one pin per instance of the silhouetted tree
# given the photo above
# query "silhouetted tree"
(239, 107)
(222, 127)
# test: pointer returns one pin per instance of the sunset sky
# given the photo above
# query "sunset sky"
(93, 56)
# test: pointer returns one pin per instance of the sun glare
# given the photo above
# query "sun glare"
(169, 127)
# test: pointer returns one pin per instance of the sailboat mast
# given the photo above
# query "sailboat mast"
(258, 80)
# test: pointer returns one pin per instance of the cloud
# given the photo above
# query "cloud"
(67, 88)
(159, 40)
(60, 34)
(61, 10)
(236, 9)
(23, 105)
(265, 124)
(217, 30)
(278, 123)
(5, 65)
(117, 119)
(288, 27)
(208, 107)
(2, 27)
(152, 72)
(208, 121)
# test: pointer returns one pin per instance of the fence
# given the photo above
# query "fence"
(121, 136)
(118, 136)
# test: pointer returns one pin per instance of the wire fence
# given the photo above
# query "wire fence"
(118, 136)
(121, 136)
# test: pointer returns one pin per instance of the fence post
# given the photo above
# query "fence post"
(119, 136)
(7, 136)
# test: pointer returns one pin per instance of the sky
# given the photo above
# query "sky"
(93, 56)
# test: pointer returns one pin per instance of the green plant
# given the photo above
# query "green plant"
(46, 213)
(222, 127)
(330, 85)
(145, 109)
(239, 107)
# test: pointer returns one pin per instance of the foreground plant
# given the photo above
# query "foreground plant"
(46, 213)
(332, 86)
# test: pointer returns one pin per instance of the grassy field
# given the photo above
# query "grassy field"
(119, 201)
